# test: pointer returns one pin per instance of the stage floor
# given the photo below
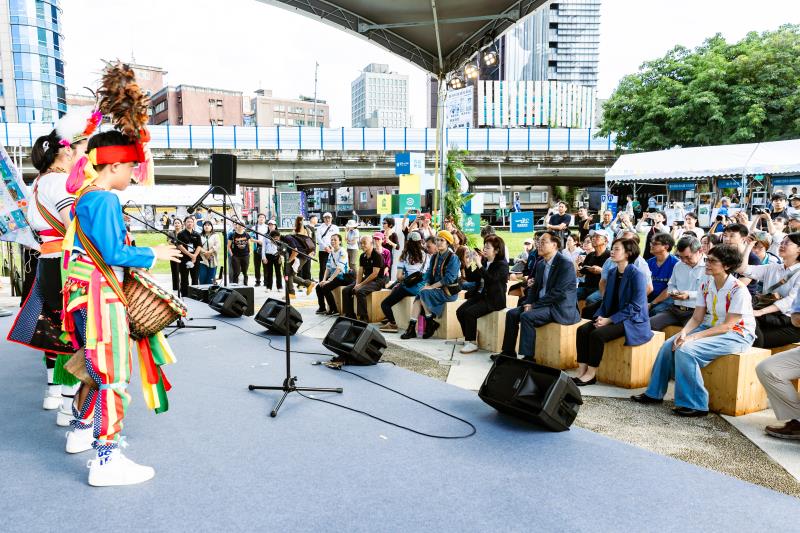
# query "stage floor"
(223, 464)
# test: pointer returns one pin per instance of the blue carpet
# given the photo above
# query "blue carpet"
(222, 464)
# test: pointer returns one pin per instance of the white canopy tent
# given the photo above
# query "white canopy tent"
(779, 157)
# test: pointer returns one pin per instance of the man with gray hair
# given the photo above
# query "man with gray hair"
(683, 285)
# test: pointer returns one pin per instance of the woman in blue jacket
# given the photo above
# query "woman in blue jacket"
(441, 286)
(622, 313)
(410, 278)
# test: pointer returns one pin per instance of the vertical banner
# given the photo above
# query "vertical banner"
(384, 206)
(410, 184)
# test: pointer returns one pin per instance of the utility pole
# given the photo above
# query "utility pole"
(316, 77)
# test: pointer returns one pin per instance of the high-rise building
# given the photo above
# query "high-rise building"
(32, 87)
(197, 106)
(379, 98)
(557, 42)
(268, 110)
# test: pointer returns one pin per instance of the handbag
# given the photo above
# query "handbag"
(412, 279)
(760, 301)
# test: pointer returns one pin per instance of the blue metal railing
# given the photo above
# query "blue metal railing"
(341, 139)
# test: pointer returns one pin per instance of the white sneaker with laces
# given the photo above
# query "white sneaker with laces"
(469, 347)
(80, 440)
(63, 417)
(112, 468)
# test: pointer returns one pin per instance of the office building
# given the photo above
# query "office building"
(197, 106)
(150, 79)
(557, 42)
(31, 61)
(269, 110)
(379, 98)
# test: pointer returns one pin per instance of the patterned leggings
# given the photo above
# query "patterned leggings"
(109, 365)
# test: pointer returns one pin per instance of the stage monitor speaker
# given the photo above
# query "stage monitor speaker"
(223, 172)
(201, 293)
(355, 342)
(274, 314)
(228, 302)
(536, 393)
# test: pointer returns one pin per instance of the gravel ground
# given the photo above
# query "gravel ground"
(709, 442)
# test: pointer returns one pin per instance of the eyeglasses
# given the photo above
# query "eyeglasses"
(713, 260)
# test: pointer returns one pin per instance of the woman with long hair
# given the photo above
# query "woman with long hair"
(177, 227)
(410, 274)
(53, 156)
(489, 292)
(780, 285)
(209, 247)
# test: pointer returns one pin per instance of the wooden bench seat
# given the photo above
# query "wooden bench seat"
(402, 312)
(449, 328)
(555, 345)
(732, 384)
(629, 366)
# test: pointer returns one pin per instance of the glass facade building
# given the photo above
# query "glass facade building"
(557, 42)
(38, 63)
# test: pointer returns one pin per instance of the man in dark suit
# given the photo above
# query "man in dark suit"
(552, 298)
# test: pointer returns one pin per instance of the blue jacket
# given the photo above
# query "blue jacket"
(632, 305)
(438, 272)
(561, 292)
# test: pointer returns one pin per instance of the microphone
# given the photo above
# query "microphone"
(192, 208)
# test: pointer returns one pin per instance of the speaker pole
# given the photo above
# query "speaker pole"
(290, 382)
(225, 241)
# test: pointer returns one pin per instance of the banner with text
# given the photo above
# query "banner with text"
(522, 222)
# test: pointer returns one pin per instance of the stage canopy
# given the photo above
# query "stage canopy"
(779, 157)
(437, 35)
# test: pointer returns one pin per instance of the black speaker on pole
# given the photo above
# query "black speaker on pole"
(223, 172)
(536, 393)
(277, 317)
(228, 302)
(355, 342)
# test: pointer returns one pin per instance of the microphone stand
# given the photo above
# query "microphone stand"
(179, 323)
(290, 382)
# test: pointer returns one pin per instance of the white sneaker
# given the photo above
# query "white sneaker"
(112, 468)
(80, 440)
(63, 418)
(52, 399)
(469, 347)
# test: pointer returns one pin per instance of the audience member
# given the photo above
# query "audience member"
(489, 293)
(209, 248)
(689, 227)
(682, 286)
(552, 298)
(441, 286)
(324, 232)
(592, 265)
(560, 221)
(572, 250)
(773, 304)
(776, 374)
(271, 258)
(735, 235)
(583, 221)
(177, 227)
(189, 245)
(661, 265)
(657, 218)
(623, 312)
(722, 323)
(261, 229)
(372, 276)
(337, 274)
(410, 278)
(353, 238)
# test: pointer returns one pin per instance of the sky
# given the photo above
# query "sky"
(244, 45)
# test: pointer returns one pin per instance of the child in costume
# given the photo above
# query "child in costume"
(38, 324)
(96, 249)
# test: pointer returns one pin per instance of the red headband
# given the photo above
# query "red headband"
(132, 153)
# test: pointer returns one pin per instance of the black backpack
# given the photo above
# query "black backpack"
(304, 243)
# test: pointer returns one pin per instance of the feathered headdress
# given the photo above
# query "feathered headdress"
(75, 127)
(122, 100)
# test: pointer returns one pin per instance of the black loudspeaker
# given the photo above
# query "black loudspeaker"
(228, 302)
(273, 315)
(355, 342)
(223, 172)
(536, 393)
(201, 293)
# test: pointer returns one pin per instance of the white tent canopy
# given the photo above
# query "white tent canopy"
(779, 157)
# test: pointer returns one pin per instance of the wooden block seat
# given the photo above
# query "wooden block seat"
(555, 345)
(629, 366)
(491, 329)
(732, 384)
(669, 331)
(402, 312)
(374, 299)
(337, 297)
(449, 328)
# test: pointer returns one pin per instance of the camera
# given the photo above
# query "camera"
(679, 222)
(760, 211)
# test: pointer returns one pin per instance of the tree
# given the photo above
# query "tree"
(719, 93)
(454, 200)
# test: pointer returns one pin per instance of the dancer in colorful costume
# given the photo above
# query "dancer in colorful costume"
(96, 248)
(38, 324)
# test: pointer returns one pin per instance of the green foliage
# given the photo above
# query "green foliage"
(719, 93)
(454, 201)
